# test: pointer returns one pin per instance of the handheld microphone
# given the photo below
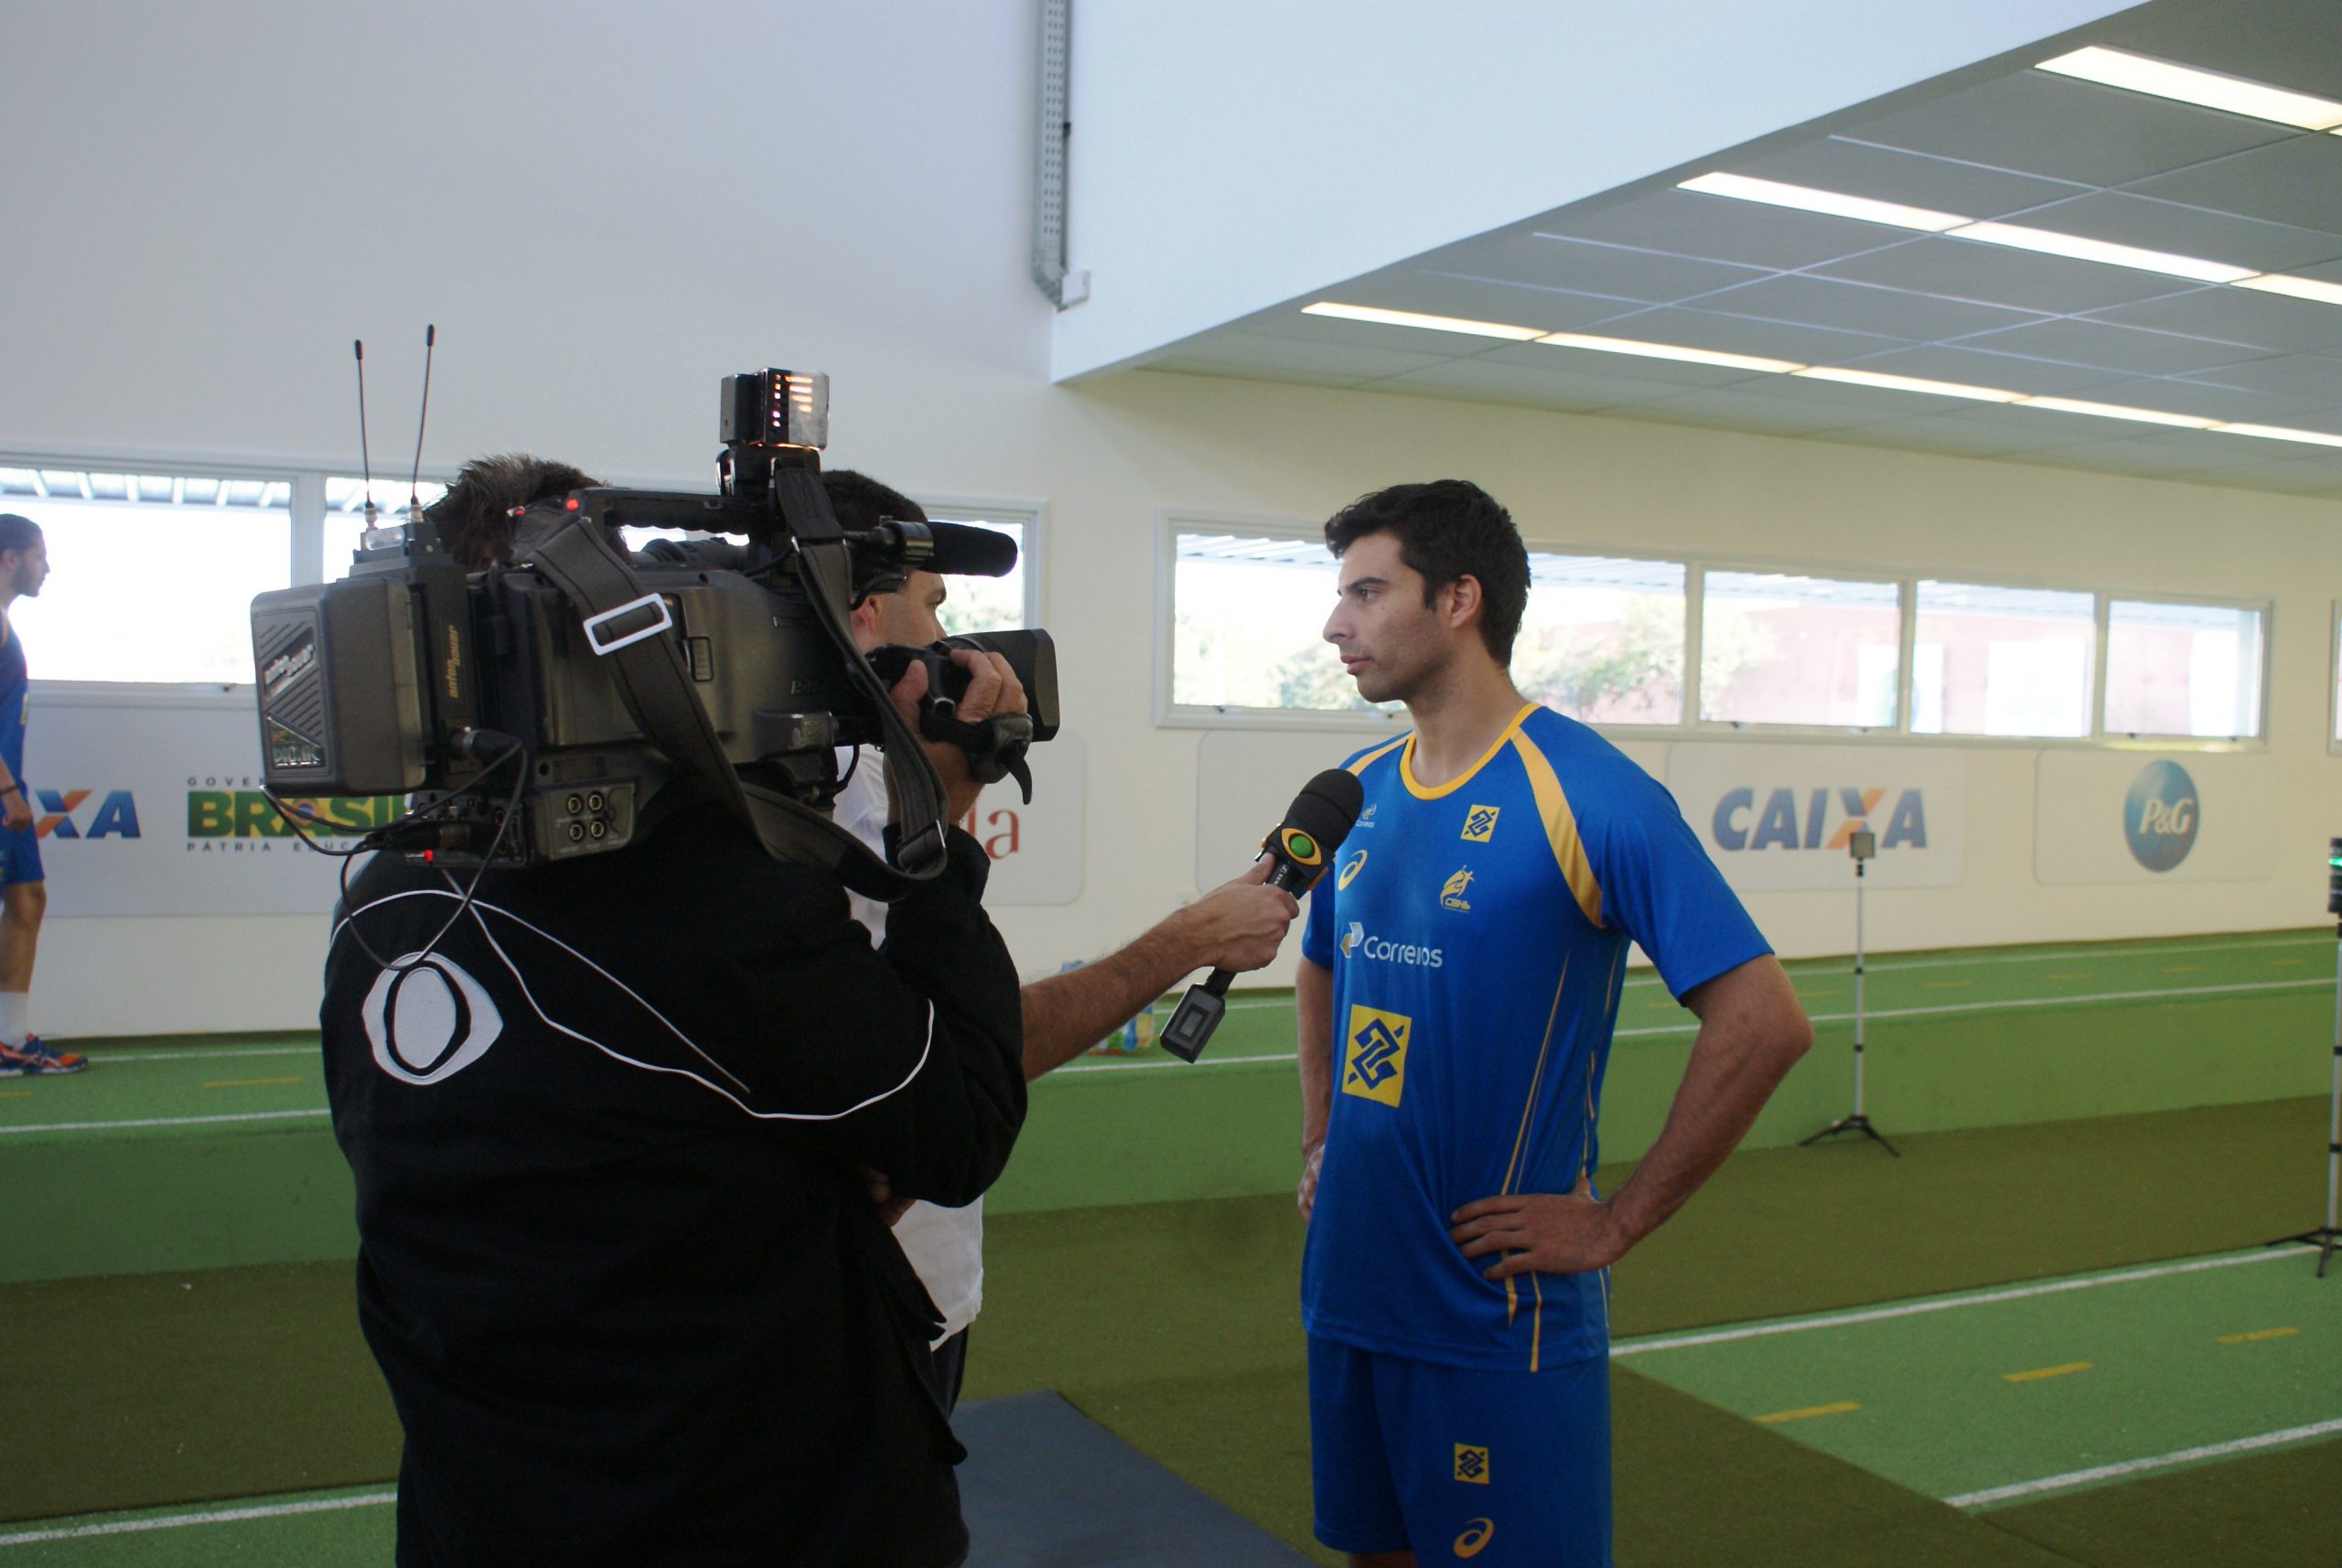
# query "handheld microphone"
(1303, 845)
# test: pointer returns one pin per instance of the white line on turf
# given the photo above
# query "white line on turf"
(1943, 1303)
(203, 1053)
(2017, 1003)
(174, 1521)
(164, 1120)
(2133, 1466)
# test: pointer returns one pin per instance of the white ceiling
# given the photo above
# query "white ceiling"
(1667, 265)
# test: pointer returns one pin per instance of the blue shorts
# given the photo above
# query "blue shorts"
(20, 850)
(1454, 1462)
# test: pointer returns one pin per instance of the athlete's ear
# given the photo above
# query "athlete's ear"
(1463, 601)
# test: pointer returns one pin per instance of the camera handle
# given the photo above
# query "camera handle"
(649, 675)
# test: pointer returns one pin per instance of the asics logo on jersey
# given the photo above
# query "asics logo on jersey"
(1375, 1064)
(1480, 823)
(1350, 868)
(1452, 896)
(428, 1020)
(1476, 1534)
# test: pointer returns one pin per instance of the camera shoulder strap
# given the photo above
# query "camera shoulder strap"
(627, 625)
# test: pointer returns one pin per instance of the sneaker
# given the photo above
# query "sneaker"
(33, 1057)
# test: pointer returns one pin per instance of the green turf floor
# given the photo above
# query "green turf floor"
(1175, 1325)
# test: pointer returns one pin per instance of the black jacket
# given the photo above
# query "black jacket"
(617, 1263)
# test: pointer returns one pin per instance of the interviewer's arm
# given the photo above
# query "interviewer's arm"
(1237, 927)
(1752, 1031)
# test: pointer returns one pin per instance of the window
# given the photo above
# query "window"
(1248, 612)
(1603, 638)
(2005, 661)
(988, 604)
(152, 573)
(346, 514)
(2182, 670)
(1778, 650)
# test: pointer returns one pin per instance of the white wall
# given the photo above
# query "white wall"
(222, 201)
(1229, 155)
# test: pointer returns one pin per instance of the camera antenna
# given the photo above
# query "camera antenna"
(365, 459)
(422, 415)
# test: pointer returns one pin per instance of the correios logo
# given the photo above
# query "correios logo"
(1821, 819)
(2161, 815)
(60, 816)
(1358, 942)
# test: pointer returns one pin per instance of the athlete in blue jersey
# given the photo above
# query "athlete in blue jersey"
(1459, 983)
(24, 893)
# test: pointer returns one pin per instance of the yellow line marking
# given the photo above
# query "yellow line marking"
(2076, 975)
(249, 1082)
(2181, 968)
(2257, 1334)
(14, 1093)
(2289, 961)
(2040, 1373)
(1817, 994)
(1840, 1408)
(1943, 984)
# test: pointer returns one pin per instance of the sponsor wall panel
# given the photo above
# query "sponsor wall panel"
(1244, 781)
(160, 811)
(2104, 818)
(1780, 817)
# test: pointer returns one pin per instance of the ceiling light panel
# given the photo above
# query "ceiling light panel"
(2205, 88)
(2117, 410)
(2051, 244)
(1669, 351)
(1415, 318)
(1909, 384)
(1836, 204)
(2299, 288)
(2279, 432)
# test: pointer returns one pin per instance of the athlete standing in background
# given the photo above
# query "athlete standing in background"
(23, 895)
(1466, 958)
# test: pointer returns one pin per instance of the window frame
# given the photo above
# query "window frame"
(2140, 740)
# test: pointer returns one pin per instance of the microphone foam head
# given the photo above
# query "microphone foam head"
(1321, 816)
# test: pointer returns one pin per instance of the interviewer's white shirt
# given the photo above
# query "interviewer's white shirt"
(945, 1245)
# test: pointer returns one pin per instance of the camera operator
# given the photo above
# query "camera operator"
(617, 1259)
(1237, 927)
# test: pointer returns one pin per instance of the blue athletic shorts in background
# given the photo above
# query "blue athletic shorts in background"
(1459, 1463)
(20, 852)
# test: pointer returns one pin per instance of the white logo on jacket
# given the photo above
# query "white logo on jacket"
(428, 1020)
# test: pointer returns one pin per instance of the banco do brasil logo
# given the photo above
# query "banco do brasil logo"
(2161, 816)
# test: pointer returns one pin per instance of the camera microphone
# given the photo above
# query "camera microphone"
(1303, 845)
(954, 549)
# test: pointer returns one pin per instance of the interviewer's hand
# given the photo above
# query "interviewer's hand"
(882, 1194)
(993, 688)
(1237, 925)
(1549, 1232)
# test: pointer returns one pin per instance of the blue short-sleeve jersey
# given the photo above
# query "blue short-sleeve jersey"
(16, 699)
(1477, 935)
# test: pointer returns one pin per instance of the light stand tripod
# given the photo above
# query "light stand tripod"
(2326, 1237)
(1862, 846)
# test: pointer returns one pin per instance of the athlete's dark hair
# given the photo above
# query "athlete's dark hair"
(1449, 530)
(475, 517)
(17, 532)
(860, 501)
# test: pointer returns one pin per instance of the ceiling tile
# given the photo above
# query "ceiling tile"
(2296, 182)
(1767, 412)
(1545, 261)
(2127, 220)
(2238, 315)
(1281, 374)
(2206, 402)
(2318, 377)
(2286, 43)
(1288, 322)
(2035, 378)
(1486, 380)
(2054, 126)
(1719, 228)
(1861, 307)
(1743, 335)
(1474, 299)
(2103, 346)
(1852, 167)
(1992, 274)
(1227, 348)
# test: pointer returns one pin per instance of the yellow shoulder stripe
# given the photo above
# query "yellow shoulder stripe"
(1561, 828)
(1370, 759)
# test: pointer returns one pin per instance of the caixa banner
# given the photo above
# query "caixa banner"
(160, 811)
(1777, 817)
